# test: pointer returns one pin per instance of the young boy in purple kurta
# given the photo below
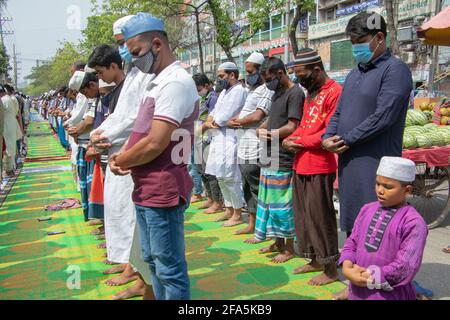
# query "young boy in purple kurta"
(385, 249)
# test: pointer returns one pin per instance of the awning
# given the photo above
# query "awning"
(436, 31)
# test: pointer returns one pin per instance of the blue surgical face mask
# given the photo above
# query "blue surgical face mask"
(125, 54)
(361, 52)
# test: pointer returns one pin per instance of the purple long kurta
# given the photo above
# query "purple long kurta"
(391, 242)
(370, 117)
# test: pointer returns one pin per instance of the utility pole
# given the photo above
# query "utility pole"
(288, 25)
(434, 55)
(2, 34)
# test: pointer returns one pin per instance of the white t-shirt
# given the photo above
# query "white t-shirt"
(248, 143)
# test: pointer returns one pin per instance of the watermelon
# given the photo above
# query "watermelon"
(409, 142)
(416, 117)
(438, 138)
(424, 141)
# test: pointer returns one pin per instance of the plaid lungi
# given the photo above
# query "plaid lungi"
(83, 169)
(275, 215)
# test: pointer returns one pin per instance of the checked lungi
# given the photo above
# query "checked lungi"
(275, 215)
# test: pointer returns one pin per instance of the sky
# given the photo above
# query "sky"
(40, 26)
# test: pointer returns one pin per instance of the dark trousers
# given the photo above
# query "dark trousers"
(250, 184)
(211, 185)
(315, 217)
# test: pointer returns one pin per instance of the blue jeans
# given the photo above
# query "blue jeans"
(195, 175)
(162, 240)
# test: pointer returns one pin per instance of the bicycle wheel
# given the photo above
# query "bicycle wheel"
(431, 193)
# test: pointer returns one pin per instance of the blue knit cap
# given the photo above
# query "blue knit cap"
(141, 23)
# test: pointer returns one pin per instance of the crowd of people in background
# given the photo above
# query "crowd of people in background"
(14, 120)
(148, 140)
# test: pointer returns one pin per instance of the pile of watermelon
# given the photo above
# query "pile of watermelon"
(425, 136)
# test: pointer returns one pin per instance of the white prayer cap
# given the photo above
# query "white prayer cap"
(256, 57)
(103, 84)
(89, 70)
(397, 168)
(77, 80)
(117, 27)
(228, 66)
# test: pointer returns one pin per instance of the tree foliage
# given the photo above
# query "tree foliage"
(55, 73)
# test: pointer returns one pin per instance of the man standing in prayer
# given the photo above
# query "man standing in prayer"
(10, 131)
(122, 238)
(369, 121)
(209, 98)
(315, 171)
(275, 216)
(256, 109)
(162, 185)
(222, 157)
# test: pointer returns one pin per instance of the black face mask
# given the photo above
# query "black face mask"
(274, 84)
(222, 84)
(253, 79)
(146, 62)
(308, 82)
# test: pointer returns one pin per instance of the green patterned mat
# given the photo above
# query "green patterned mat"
(36, 266)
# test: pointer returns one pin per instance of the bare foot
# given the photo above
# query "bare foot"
(341, 295)
(109, 262)
(232, 222)
(101, 245)
(196, 198)
(122, 279)
(101, 237)
(272, 248)
(322, 279)
(137, 290)
(226, 216)
(310, 267)
(116, 269)
(283, 257)
(95, 222)
(213, 209)
(252, 241)
(98, 231)
(248, 230)
(206, 205)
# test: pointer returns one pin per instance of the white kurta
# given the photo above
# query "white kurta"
(15, 102)
(120, 212)
(11, 128)
(222, 157)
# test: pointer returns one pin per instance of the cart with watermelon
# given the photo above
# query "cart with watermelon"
(431, 189)
(426, 141)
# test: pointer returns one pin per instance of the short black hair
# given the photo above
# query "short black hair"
(79, 65)
(9, 88)
(201, 79)
(105, 55)
(274, 64)
(88, 78)
(365, 23)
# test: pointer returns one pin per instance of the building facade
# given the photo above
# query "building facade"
(323, 29)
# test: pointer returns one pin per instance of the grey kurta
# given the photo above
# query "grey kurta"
(370, 117)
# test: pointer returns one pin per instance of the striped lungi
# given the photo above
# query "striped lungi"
(275, 215)
(84, 170)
